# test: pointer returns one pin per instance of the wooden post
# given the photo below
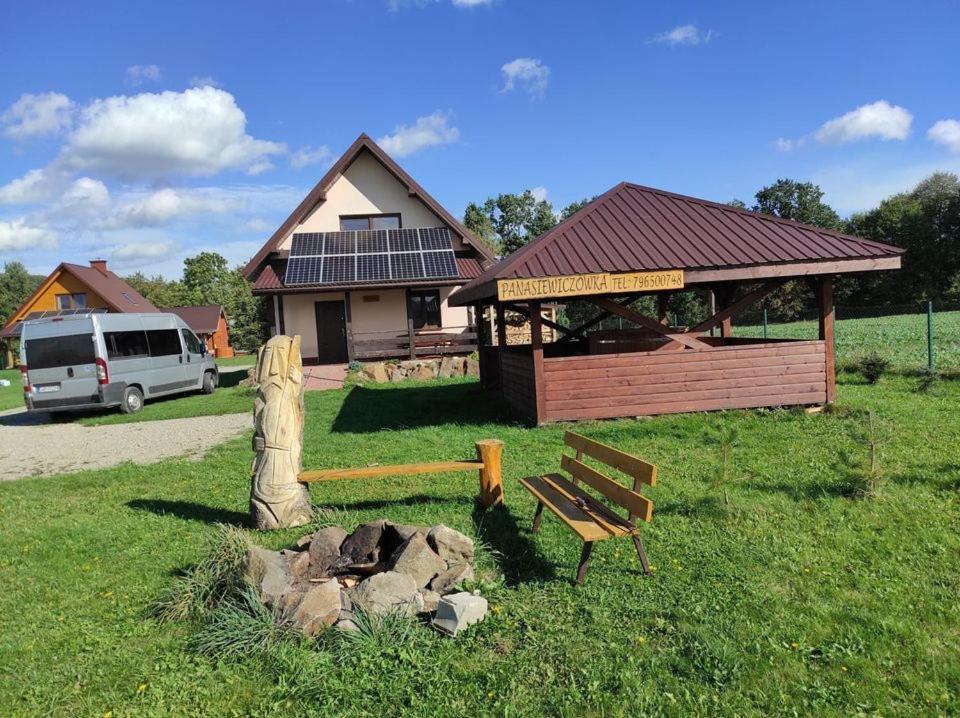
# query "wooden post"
(662, 300)
(501, 326)
(825, 302)
(726, 326)
(490, 452)
(536, 347)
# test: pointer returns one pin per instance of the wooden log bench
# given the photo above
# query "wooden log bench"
(586, 516)
(488, 463)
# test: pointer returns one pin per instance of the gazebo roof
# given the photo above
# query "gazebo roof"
(632, 228)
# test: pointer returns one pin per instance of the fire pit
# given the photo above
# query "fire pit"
(381, 568)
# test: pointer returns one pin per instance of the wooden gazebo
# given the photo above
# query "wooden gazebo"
(634, 241)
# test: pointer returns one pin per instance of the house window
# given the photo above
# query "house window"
(423, 307)
(72, 301)
(363, 222)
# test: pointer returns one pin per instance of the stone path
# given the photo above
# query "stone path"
(330, 376)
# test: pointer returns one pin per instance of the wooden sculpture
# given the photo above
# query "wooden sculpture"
(277, 499)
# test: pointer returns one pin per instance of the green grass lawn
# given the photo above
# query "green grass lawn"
(239, 360)
(799, 601)
(11, 397)
(900, 338)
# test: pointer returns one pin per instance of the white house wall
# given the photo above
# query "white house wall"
(367, 187)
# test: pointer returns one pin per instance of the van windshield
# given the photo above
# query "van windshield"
(66, 350)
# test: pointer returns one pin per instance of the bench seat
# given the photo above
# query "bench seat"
(587, 517)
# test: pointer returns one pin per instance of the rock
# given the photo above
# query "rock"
(325, 549)
(395, 373)
(304, 541)
(405, 531)
(267, 572)
(417, 560)
(447, 368)
(346, 625)
(361, 546)
(452, 546)
(299, 563)
(471, 368)
(385, 593)
(425, 371)
(318, 609)
(409, 365)
(377, 372)
(288, 603)
(453, 576)
(427, 601)
(346, 607)
(459, 610)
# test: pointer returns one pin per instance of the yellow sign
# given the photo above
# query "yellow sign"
(576, 285)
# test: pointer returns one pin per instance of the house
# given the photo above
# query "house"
(73, 288)
(363, 267)
(209, 322)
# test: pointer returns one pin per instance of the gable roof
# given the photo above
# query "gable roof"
(116, 293)
(202, 320)
(632, 228)
(319, 194)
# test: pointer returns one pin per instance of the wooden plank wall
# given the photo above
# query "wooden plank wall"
(489, 367)
(726, 377)
(516, 380)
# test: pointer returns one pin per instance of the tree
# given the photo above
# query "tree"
(16, 285)
(574, 207)
(510, 220)
(161, 292)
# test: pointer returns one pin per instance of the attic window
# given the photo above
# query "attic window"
(129, 298)
(363, 222)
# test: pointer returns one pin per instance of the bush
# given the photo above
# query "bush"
(873, 366)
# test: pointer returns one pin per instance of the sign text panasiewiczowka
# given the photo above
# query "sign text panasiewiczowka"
(576, 285)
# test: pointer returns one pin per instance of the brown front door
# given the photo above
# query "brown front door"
(331, 333)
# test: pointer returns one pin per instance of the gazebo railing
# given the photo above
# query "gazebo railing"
(413, 343)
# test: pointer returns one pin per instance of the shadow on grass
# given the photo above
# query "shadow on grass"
(517, 555)
(415, 500)
(369, 409)
(190, 511)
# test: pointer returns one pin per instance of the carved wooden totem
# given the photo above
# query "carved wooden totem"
(277, 499)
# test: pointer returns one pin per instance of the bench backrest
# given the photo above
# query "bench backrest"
(640, 471)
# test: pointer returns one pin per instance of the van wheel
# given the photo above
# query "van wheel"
(132, 400)
(209, 382)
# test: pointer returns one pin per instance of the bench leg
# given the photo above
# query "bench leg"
(641, 552)
(537, 516)
(584, 561)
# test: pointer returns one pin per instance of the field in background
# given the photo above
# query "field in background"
(800, 600)
(901, 338)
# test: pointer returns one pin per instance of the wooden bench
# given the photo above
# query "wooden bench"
(587, 517)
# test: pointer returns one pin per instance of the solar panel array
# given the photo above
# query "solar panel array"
(379, 255)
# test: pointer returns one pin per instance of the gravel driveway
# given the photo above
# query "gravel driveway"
(30, 448)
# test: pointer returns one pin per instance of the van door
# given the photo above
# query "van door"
(195, 353)
(168, 371)
(62, 369)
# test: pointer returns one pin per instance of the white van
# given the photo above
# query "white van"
(90, 361)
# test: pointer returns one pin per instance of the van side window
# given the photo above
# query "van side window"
(194, 345)
(164, 342)
(126, 345)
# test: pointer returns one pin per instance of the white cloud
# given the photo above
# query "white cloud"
(396, 5)
(168, 205)
(138, 74)
(539, 193)
(308, 155)
(37, 115)
(134, 253)
(200, 131)
(204, 81)
(682, 35)
(878, 119)
(257, 225)
(35, 186)
(426, 132)
(787, 145)
(471, 3)
(18, 234)
(527, 73)
(946, 133)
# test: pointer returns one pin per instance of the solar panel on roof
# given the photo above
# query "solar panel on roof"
(370, 256)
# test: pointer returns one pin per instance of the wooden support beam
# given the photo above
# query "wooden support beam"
(501, 326)
(647, 323)
(722, 318)
(579, 331)
(825, 302)
(490, 455)
(536, 346)
(662, 300)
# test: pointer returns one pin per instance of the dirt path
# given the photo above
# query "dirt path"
(31, 449)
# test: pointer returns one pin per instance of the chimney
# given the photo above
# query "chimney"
(100, 265)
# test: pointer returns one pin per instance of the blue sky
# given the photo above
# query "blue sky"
(146, 132)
